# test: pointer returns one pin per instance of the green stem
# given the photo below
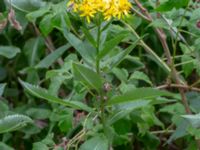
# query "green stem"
(149, 50)
(183, 63)
(98, 49)
(102, 104)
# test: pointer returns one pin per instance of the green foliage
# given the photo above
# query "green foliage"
(137, 94)
(170, 4)
(99, 142)
(13, 122)
(42, 93)
(87, 77)
(9, 51)
(2, 87)
(66, 84)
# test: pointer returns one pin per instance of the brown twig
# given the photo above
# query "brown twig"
(162, 38)
(186, 87)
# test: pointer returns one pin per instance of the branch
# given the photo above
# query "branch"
(179, 86)
(162, 38)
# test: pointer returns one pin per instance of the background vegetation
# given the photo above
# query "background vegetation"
(122, 85)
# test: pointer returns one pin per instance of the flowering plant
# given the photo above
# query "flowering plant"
(115, 74)
(108, 8)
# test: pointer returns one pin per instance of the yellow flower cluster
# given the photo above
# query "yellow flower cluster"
(109, 8)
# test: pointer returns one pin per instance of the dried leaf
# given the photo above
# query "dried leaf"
(13, 21)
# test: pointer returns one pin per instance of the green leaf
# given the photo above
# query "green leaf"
(26, 5)
(3, 146)
(187, 64)
(116, 60)
(194, 132)
(85, 51)
(121, 74)
(46, 25)
(9, 51)
(109, 45)
(99, 142)
(181, 131)
(89, 36)
(2, 87)
(78, 45)
(44, 144)
(3, 107)
(32, 16)
(40, 146)
(43, 94)
(193, 99)
(13, 122)
(125, 109)
(87, 76)
(159, 23)
(66, 124)
(51, 58)
(193, 119)
(32, 49)
(140, 76)
(138, 94)
(38, 113)
(170, 4)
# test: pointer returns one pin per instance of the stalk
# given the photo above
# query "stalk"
(102, 104)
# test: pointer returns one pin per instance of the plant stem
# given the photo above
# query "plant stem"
(176, 36)
(162, 38)
(97, 48)
(102, 104)
(149, 50)
(186, 87)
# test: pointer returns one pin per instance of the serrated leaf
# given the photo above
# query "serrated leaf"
(87, 76)
(9, 51)
(13, 122)
(43, 94)
(138, 94)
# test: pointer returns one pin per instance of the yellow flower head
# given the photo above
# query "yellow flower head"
(108, 8)
(123, 8)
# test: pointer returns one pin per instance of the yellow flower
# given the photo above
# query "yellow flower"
(108, 8)
(87, 9)
(72, 5)
(123, 8)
